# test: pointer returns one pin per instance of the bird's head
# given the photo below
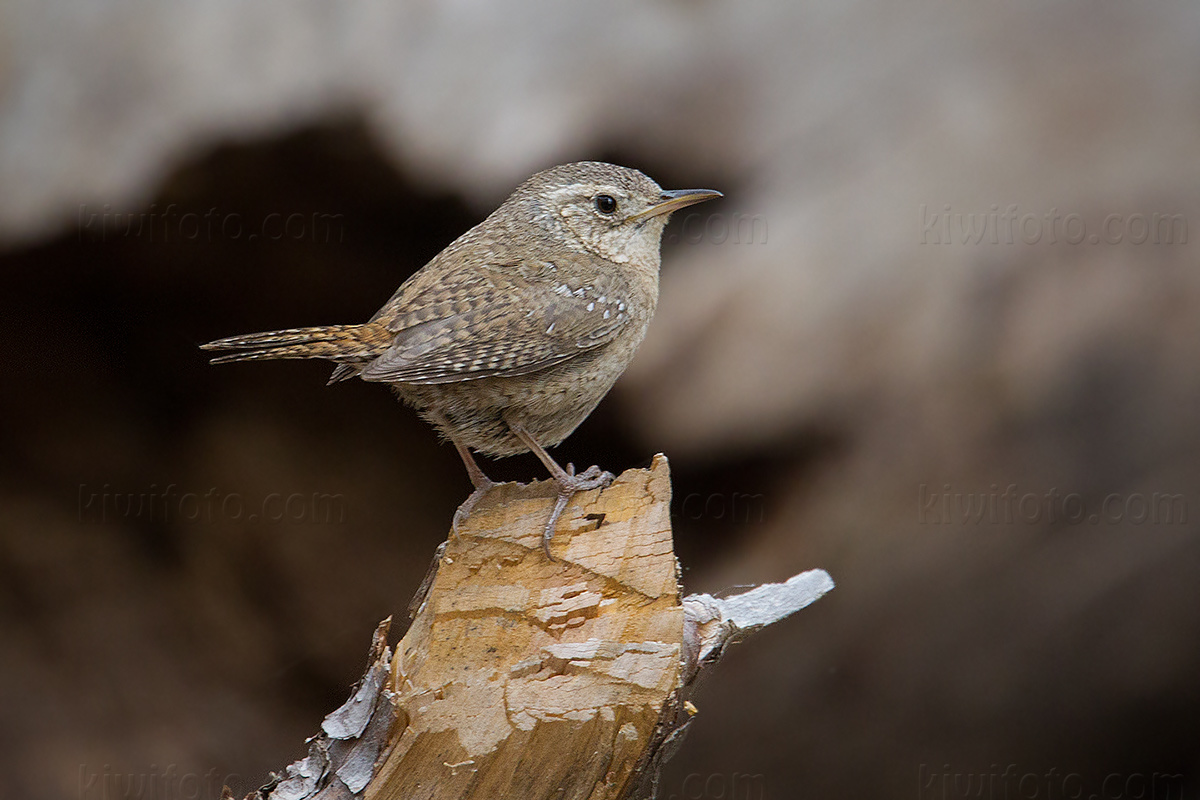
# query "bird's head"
(614, 212)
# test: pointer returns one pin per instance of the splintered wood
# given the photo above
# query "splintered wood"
(524, 677)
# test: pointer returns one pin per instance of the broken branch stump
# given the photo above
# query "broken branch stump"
(530, 678)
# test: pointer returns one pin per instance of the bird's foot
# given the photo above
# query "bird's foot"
(570, 483)
(460, 515)
(591, 478)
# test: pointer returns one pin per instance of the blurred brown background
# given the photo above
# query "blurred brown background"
(975, 281)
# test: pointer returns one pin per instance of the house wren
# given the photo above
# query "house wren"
(509, 337)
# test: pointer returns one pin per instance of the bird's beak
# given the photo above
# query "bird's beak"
(676, 199)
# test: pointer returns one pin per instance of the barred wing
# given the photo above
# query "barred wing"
(496, 322)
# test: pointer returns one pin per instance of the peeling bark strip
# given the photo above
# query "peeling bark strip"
(341, 758)
(526, 678)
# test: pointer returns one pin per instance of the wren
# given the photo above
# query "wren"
(511, 336)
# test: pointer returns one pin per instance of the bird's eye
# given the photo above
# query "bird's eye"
(606, 204)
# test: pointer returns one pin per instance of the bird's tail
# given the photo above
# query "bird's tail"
(344, 344)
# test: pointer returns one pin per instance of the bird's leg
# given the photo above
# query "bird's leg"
(481, 482)
(568, 482)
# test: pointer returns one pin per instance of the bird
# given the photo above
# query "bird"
(509, 337)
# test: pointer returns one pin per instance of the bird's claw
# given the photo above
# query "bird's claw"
(591, 478)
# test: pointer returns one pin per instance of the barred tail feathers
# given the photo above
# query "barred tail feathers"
(339, 343)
